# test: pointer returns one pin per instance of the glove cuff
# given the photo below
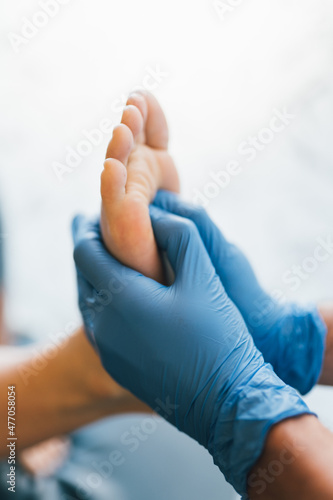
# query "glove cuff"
(301, 341)
(241, 424)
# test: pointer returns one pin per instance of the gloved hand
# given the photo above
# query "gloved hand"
(183, 349)
(290, 337)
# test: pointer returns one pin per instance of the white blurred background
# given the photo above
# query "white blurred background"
(223, 75)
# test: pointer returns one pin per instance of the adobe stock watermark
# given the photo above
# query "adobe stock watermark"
(224, 8)
(247, 150)
(42, 354)
(30, 28)
(131, 441)
(90, 307)
(265, 476)
(93, 138)
(293, 277)
(298, 273)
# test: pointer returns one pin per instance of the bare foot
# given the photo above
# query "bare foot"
(137, 165)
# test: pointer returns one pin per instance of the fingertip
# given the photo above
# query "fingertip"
(163, 196)
(168, 226)
(83, 226)
(75, 225)
(156, 212)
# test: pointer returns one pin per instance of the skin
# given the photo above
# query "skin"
(309, 475)
(137, 165)
(300, 453)
(70, 391)
(326, 377)
(125, 208)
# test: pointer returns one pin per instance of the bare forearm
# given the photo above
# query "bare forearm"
(296, 463)
(71, 390)
(326, 377)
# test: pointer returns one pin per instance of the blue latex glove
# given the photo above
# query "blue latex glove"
(290, 337)
(184, 349)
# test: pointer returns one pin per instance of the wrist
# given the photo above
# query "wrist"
(326, 377)
(294, 463)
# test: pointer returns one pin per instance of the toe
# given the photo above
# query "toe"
(121, 144)
(133, 118)
(113, 182)
(138, 100)
(156, 127)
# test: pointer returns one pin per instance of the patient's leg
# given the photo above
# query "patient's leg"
(137, 165)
